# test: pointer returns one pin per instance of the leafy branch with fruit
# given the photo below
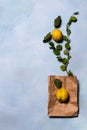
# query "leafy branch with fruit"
(56, 37)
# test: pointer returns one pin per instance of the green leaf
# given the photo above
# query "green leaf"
(64, 60)
(59, 47)
(63, 67)
(56, 52)
(57, 22)
(66, 52)
(51, 44)
(73, 19)
(76, 13)
(65, 38)
(70, 73)
(67, 46)
(58, 83)
(59, 58)
(68, 31)
(47, 38)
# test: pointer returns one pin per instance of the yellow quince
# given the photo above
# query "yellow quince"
(62, 95)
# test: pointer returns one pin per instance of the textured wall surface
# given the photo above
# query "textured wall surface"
(25, 63)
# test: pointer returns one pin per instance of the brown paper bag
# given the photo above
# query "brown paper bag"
(57, 109)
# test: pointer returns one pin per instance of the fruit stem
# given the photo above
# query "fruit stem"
(68, 58)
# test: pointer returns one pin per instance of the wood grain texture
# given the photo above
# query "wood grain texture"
(57, 109)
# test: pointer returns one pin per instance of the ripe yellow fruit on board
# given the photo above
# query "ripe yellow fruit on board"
(62, 95)
(57, 35)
